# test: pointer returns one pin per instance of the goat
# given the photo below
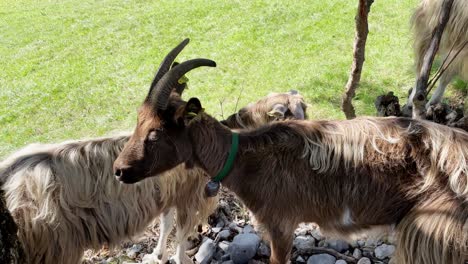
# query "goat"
(65, 199)
(347, 176)
(453, 45)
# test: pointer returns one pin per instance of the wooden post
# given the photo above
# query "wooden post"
(362, 29)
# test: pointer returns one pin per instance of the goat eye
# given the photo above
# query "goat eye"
(153, 136)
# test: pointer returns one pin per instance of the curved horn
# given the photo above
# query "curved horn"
(161, 92)
(167, 62)
(180, 87)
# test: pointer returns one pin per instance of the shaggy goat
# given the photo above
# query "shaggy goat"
(65, 199)
(454, 40)
(347, 176)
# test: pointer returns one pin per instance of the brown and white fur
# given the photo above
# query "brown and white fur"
(65, 199)
(454, 39)
(347, 176)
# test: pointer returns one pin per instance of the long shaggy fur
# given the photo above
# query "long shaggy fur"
(349, 176)
(65, 198)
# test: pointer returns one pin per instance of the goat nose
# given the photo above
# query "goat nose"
(118, 172)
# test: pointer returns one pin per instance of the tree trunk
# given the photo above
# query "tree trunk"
(420, 97)
(362, 29)
(11, 251)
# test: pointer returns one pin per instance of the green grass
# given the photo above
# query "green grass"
(73, 69)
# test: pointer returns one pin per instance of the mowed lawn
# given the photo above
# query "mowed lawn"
(79, 69)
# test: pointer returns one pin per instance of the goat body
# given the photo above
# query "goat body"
(348, 176)
(65, 199)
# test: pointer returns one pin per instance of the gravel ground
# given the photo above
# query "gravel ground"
(230, 237)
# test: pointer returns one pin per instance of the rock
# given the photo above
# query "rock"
(216, 229)
(321, 259)
(384, 251)
(224, 245)
(224, 234)
(317, 234)
(206, 251)
(372, 242)
(133, 251)
(364, 261)
(263, 251)
(233, 227)
(340, 261)
(338, 245)
(244, 247)
(303, 244)
(357, 254)
(248, 229)
(367, 252)
(361, 243)
(300, 259)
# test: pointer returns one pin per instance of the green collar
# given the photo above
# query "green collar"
(230, 159)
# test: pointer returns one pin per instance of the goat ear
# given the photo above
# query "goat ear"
(190, 111)
(278, 111)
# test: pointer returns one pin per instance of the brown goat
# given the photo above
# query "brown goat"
(347, 176)
(65, 199)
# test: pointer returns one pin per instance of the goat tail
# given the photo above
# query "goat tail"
(434, 232)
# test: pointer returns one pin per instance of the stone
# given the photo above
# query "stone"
(206, 251)
(224, 245)
(244, 247)
(340, 261)
(357, 254)
(300, 259)
(317, 234)
(372, 242)
(216, 229)
(224, 234)
(263, 250)
(248, 229)
(321, 259)
(235, 228)
(384, 251)
(303, 244)
(133, 251)
(364, 261)
(338, 245)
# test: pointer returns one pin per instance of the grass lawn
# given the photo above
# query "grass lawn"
(72, 69)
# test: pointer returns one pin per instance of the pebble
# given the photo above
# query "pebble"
(357, 254)
(263, 250)
(321, 259)
(300, 259)
(206, 251)
(338, 245)
(244, 247)
(303, 244)
(224, 234)
(224, 245)
(248, 229)
(364, 261)
(317, 234)
(133, 251)
(340, 261)
(384, 251)
(235, 228)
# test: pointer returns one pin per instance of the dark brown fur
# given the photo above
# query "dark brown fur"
(346, 176)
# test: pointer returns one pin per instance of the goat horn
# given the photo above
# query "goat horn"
(166, 63)
(162, 91)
